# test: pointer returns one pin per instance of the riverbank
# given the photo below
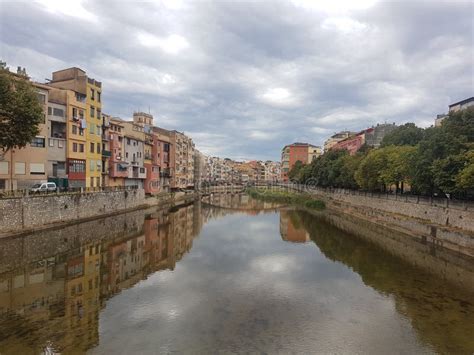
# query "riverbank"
(43, 212)
(287, 197)
(440, 225)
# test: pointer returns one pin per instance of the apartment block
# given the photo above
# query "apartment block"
(303, 152)
(89, 92)
(371, 137)
(118, 168)
(337, 137)
(22, 168)
(75, 134)
(182, 161)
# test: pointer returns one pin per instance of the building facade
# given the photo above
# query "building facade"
(290, 154)
(22, 168)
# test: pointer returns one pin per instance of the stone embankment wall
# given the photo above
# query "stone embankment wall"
(28, 213)
(449, 226)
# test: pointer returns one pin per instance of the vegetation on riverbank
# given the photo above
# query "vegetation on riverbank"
(291, 198)
(434, 160)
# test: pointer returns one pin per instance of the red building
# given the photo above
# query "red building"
(303, 152)
(352, 144)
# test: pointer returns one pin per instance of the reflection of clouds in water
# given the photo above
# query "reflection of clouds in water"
(243, 289)
(274, 263)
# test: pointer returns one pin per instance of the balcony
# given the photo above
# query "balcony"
(106, 153)
(147, 156)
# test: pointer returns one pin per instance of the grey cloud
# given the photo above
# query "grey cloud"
(256, 76)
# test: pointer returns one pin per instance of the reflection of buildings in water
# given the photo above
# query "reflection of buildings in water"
(219, 205)
(291, 228)
(60, 297)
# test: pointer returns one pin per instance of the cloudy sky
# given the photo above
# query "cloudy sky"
(245, 78)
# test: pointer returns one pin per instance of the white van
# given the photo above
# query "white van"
(44, 187)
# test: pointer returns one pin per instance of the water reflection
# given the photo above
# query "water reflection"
(240, 288)
(79, 268)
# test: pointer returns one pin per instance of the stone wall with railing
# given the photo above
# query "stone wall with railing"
(27, 213)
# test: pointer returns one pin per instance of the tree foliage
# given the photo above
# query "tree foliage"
(433, 160)
(408, 134)
(20, 111)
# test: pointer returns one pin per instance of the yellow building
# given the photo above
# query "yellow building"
(76, 109)
(94, 133)
(87, 91)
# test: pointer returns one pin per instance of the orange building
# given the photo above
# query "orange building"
(290, 154)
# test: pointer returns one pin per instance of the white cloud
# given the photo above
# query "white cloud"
(73, 8)
(173, 44)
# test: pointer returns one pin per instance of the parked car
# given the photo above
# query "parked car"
(44, 187)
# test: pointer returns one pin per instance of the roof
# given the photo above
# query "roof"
(462, 102)
(299, 144)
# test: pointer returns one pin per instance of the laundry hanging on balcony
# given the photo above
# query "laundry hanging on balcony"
(83, 123)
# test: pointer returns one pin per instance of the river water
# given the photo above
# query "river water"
(244, 277)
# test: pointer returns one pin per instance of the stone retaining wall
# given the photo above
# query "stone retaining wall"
(27, 213)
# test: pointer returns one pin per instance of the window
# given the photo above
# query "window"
(74, 113)
(41, 98)
(92, 94)
(20, 168)
(92, 181)
(77, 166)
(97, 179)
(38, 142)
(98, 95)
(92, 147)
(92, 128)
(74, 147)
(98, 130)
(37, 168)
(81, 148)
(74, 129)
(142, 170)
(99, 114)
(98, 147)
(3, 167)
(51, 142)
(59, 112)
(60, 144)
(91, 165)
(128, 141)
(50, 110)
(92, 111)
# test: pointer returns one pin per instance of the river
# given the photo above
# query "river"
(229, 275)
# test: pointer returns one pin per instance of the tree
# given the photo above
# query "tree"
(295, 170)
(20, 111)
(368, 174)
(397, 170)
(465, 177)
(407, 134)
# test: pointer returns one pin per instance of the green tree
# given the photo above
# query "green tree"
(397, 170)
(465, 177)
(407, 134)
(295, 170)
(369, 172)
(20, 111)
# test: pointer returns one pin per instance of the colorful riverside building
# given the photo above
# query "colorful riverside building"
(89, 92)
(75, 133)
(371, 137)
(118, 170)
(151, 152)
(22, 168)
(290, 154)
